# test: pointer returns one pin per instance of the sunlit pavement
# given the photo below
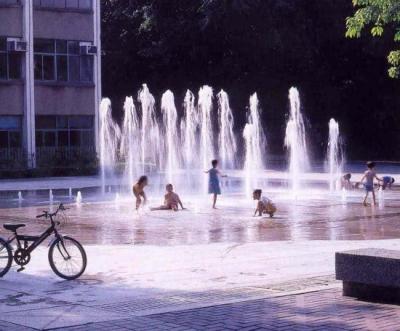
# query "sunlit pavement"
(203, 269)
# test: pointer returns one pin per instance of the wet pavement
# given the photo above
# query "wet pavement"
(314, 215)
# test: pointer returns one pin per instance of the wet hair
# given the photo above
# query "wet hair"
(168, 185)
(214, 163)
(347, 176)
(370, 164)
(142, 179)
(258, 192)
(392, 180)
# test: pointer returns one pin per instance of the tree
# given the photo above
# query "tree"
(378, 15)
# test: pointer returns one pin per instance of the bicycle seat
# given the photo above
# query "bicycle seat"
(13, 227)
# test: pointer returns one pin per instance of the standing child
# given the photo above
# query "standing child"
(369, 177)
(264, 204)
(138, 191)
(213, 181)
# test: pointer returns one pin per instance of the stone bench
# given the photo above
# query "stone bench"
(370, 274)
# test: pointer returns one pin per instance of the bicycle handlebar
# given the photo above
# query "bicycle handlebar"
(47, 214)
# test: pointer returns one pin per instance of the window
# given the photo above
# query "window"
(63, 4)
(10, 62)
(10, 132)
(60, 60)
(64, 131)
(9, 2)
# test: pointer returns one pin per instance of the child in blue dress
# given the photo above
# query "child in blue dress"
(213, 181)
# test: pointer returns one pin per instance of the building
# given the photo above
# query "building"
(50, 81)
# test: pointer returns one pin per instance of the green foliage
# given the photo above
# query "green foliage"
(377, 14)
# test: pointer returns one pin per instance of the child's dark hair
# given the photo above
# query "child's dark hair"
(168, 185)
(258, 192)
(142, 179)
(392, 180)
(214, 163)
(370, 164)
(347, 176)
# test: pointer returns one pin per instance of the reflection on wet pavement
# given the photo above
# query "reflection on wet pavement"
(319, 217)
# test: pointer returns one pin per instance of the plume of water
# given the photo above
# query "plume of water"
(70, 193)
(109, 136)
(334, 154)
(51, 197)
(130, 140)
(172, 141)
(79, 197)
(206, 129)
(151, 151)
(20, 198)
(295, 141)
(255, 144)
(189, 125)
(226, 138)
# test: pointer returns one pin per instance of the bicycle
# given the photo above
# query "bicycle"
(66, 255)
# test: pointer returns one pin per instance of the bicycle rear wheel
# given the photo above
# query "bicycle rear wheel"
(67, 258)
(5, 257)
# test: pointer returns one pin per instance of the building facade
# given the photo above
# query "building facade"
(50, 80)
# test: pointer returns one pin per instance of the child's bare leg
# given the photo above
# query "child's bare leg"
(260, 207)
(365, 199)
(138, 202)
(214, 200)
(373, 197)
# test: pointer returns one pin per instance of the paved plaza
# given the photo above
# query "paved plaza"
(201, 269)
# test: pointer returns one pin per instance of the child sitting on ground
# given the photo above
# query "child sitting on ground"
(171, 200)
(387, 182)
(264, 205)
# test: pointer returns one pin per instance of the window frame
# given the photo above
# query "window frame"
(56, 54)
(7, 56)
(69, 129)
(39, 6)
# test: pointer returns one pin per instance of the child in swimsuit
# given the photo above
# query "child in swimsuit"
(369, 177)
(138, 191)
(171, 200)
(264, 205)
(213, 181)
(387, 182)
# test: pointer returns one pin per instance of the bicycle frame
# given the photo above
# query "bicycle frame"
(36, 240)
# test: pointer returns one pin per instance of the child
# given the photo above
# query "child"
(369, 176)
(213, 181)
(345, 182)
(171, 200)
(138, 191)
(387, 182)
(264, 205)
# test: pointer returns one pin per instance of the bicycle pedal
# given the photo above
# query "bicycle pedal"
(20, 269)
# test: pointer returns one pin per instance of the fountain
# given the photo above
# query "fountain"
(109, 136)
(20, 198)
(151, 151)
(255, 144)
(78, 197)
(189, 125)
(70, 193)
(226, 138)
(172, 141)
(334, 154)
(206, 130)
(130, 136)
(51, 197)
(295, 141)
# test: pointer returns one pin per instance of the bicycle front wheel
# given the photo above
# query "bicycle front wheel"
(67, 258)
(5, 257)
